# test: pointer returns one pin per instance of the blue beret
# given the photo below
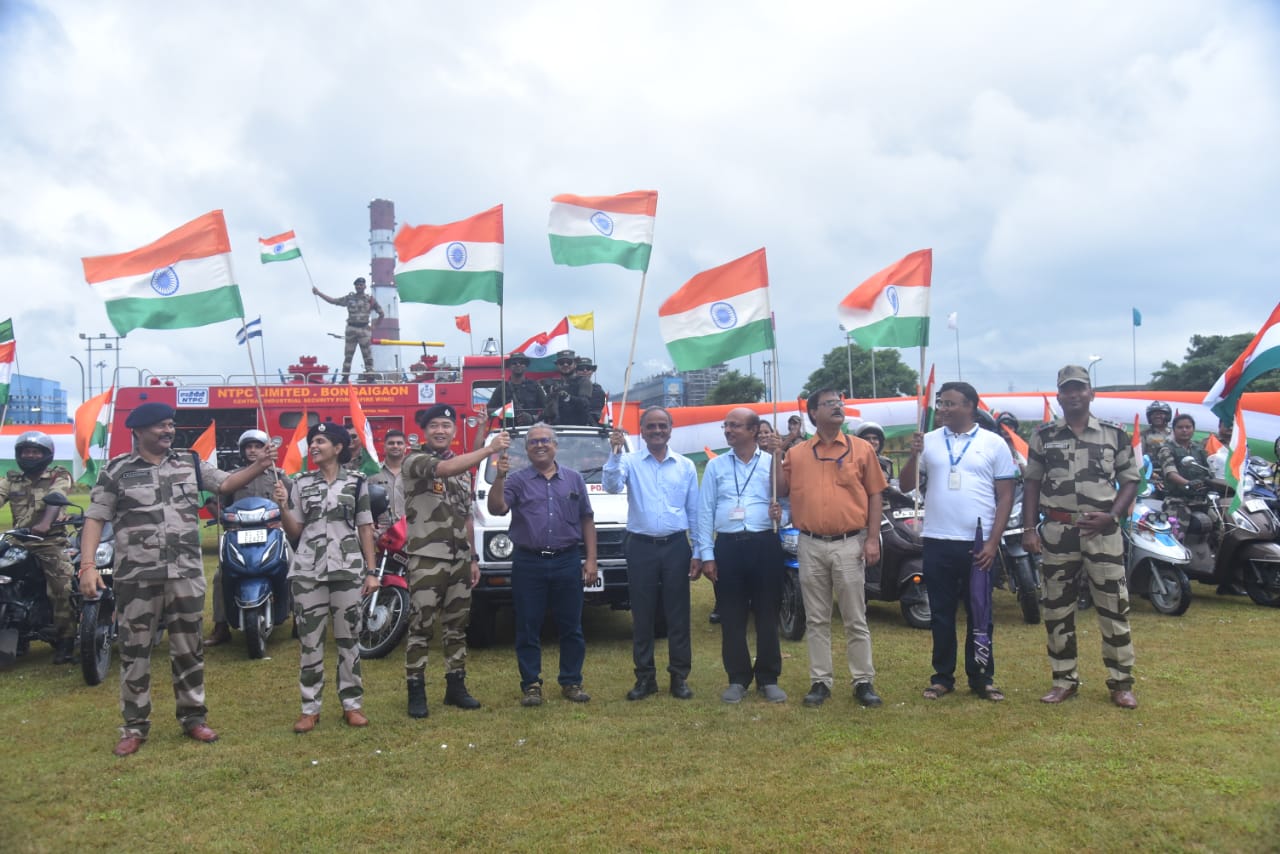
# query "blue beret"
(148, 414)
(440, 410)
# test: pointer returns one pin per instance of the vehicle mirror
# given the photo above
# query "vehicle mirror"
(57, 499)
(1189, 464)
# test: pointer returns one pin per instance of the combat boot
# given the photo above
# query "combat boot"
(64, 652)
(456, 693)
(417, 697)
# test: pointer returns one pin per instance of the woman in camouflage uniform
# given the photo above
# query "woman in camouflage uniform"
(331, 522)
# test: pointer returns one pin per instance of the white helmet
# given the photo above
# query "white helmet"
(253, 436)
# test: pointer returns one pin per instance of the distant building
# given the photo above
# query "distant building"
(683, 388)
(35, 400)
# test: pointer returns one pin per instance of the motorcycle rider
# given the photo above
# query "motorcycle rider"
(253, 445)
(25, 490)
(873, 433)
(1178, 461)
(1158, 430)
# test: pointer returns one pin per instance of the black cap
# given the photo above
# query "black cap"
(518, 359)
(440, 410)
(335, 433)
(359, 280)
(148, 414)
(566, 354)
(585, 362)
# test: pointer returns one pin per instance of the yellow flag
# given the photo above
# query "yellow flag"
(583, 321)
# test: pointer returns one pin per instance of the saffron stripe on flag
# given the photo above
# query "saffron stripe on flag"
(200, 238)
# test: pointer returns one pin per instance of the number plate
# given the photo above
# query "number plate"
(251, 536)
(598, 586)
(1255, 505)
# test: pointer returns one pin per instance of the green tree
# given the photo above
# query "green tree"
(1206, 359)
(892, 375)
(735, 387)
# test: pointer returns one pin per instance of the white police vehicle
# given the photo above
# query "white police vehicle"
(585, 450)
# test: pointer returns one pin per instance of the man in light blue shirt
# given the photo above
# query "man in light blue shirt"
(740, 550)
(662, 508)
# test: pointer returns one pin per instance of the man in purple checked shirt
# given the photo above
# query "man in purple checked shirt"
(550, 516)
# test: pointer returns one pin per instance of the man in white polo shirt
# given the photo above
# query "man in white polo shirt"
(969, 474)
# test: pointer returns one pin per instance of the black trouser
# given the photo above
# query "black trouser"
(659, 569)
(749, 571)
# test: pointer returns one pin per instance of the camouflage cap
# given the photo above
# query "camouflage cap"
(148, 414)
(1073, 374)
(518, 359)
(568, 355)
(585, 362)
(359, 281)
(440, 410)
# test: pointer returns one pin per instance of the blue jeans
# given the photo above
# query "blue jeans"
(536, 584)
(946, 573)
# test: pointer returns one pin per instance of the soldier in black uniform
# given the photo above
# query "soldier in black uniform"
(528, 396)
(568, 395)
(585, 369)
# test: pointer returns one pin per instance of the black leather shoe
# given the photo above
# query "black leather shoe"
(817, 695)
(866, 694)
(65, 651)
(714, 618)
(680, 689)
(644, 687)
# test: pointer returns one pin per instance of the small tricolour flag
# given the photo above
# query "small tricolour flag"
(926, 405)
(295, 453)
(451, 264)
(206, 444)
(372, 464)
(1236, 461)
(1135, 442)
(8, 352)
(252, 329)
(719, 314)
(91, 432)
(281, 247)
(891, 309)
(1262, 355)
(181, 280)
(546, 344)
(603, 229)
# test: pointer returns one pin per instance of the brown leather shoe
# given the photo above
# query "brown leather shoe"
(1059, 694)
(221, 634)
(1124, 699)
(306, 723)
(201, 732)
(355, 717)
(128, 745)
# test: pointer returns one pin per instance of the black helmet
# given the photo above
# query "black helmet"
(985, 421)
(1159, 406)
(39, 441)
(378, 499)
(1006, 419)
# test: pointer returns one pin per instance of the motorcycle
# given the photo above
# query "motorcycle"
(26, 614)
(254, 555)
(897, 577)
(98, 628)
(385, 611)
(1155, 562)
(1018, 569)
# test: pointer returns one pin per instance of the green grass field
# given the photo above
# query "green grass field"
(1196, 767)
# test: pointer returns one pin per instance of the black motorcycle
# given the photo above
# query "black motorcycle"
(98, 628)
(26, 614)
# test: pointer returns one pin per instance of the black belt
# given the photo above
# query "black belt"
(546, 552)
(657, 541)
(831, 538)
(743, 535)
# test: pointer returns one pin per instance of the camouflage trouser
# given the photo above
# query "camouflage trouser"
(362, 336)
(58, 576)
(314, 604)
(437, 588)
(1068, 557)
(142, 608)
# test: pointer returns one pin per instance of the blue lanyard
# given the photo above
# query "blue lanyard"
(740, 489)
(946, 436)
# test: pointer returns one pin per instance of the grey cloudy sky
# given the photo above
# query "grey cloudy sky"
(1065, 162)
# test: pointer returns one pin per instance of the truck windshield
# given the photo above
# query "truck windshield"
(585, 454)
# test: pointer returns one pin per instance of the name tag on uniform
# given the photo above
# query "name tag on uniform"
(953, 479)
(134, 477)
(1061, 443)
(737, 514)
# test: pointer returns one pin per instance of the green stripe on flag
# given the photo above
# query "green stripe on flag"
(893, 332)
(448, 287)
(1267, 360)
(580, 251)
(176, 312)
(6, 331)
(690, 354)
(268, 257)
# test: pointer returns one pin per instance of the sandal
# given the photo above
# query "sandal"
(990, 692)
(936, 690)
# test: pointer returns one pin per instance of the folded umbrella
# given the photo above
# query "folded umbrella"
(980, 603)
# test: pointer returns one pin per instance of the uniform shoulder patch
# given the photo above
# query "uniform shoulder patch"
(1043, 428)
(115, 462)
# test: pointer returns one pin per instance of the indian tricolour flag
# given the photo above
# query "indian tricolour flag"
(891, 309)
(370, 464)
(603, 229)
(182, 280)
(1236, 461)
(91, 420)
(545, 345)
(451, 264)
(1262, 355)
(719, 314)
(295, 453)
(281, 247)
(8, 351)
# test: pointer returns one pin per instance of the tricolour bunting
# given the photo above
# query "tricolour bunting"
(451, 264)
(8, 351)
(719, 314)
(281, 247)
(891, 309)
(182, 280)
(603, 229)
(1262, 355)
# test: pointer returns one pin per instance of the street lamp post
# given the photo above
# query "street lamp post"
(80, 364)
(1093, 374)
(768, 383)
(105, 342)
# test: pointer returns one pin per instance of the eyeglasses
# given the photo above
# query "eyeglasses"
(733, 425)
(835, 403)
(538, 443)
(947, 404)
(655, 425)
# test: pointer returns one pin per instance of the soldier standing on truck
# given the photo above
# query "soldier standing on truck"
(527, 396)
(358, 305)
(568, 395)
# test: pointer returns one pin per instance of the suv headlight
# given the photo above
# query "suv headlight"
(500, 547)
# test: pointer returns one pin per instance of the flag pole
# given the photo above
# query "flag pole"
(631, 355)
(959, 375)
(257, 392)
(1135, 351)
(303, 259)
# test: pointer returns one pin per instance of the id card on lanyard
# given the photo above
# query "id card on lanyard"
(953, 478)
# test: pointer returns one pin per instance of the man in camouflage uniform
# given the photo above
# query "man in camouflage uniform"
(390, 477)
(253, 445)
(443, 564)
(596, 401)
(358, 305)
(151, 496)
(24, 490)
(568, 395)
(1075, 464)
(527, 395)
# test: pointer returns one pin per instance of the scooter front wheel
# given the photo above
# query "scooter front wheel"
(1263, 585)
(791, 615)
(1170, 590)
(384, 620)
(256, 629)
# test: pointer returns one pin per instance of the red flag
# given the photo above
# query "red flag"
(463, 322)
(206, 446)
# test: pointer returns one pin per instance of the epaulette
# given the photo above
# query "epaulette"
(1114, 424)
(1048, 425)
(56, 469)
(115, 462)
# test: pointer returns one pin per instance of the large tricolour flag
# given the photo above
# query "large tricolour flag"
(546, 343)
(603, 229)
(281, 247)
(1262, 355)
(891, 309)
(8, 350)
(719, 314)
(451, 264)
(182, 280)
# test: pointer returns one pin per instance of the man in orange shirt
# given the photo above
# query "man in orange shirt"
(835, 482)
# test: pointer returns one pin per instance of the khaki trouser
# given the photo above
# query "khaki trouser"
(835, 571)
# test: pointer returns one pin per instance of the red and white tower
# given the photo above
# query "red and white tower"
(382, 269)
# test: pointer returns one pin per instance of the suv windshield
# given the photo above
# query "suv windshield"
(584, 453)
